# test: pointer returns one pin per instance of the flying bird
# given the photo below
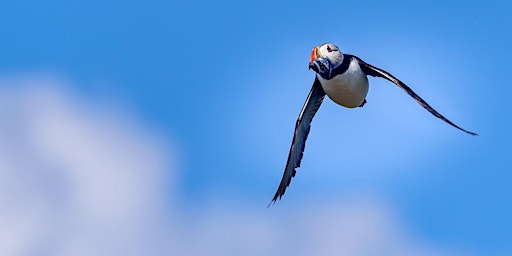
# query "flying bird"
(343, 78)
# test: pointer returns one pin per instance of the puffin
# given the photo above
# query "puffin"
(344, 79)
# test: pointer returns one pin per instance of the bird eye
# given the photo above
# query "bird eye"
(329, 49)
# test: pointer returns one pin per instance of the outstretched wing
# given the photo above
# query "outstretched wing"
(377, 72)
(313, 102)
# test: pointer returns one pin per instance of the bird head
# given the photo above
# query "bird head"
(325, 57)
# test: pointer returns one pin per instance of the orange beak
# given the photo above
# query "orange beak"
(314, 54)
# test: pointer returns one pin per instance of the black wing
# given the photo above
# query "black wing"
(313, 102)
(377, 72)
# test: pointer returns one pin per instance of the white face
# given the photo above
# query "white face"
(328, 49)
(331, 51)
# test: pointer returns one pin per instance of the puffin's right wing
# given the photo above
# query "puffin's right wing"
(377, 72)
(313, 102)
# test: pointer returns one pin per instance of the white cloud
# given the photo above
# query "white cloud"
(77, 179)
(355, 226)
(80, 178)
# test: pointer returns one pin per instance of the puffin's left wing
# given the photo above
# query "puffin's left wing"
(377, 72)
(313, 102)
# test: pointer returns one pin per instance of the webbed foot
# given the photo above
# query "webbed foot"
(362, 104)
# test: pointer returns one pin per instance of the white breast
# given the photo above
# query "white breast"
(348, 89)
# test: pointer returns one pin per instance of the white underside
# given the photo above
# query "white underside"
(348, 89)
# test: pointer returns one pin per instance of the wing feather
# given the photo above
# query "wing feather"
(377, 72)
(302, 127)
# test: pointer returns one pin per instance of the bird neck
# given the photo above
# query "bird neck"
(342, 66)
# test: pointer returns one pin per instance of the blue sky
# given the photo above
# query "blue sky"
(225, 80)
